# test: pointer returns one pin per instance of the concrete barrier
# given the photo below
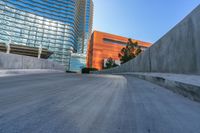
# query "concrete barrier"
(176, 52)
(185, 85)
(13, 61)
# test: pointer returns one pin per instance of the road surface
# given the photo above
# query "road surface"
(70, 103)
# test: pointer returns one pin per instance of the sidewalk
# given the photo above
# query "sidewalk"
(186, 85)
(14, 72)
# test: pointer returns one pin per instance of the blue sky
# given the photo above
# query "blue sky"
(146, 20)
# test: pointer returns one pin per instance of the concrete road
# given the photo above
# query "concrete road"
(69, 103)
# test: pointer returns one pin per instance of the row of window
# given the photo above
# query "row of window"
(44, 11)
(65, 19)
(50, 5)
(38, 32)
(37, 41)
(39, 29)
(30, 18)
(106, 40)
(36, 20)
(53, 5)
(34, 30)
(33, 35)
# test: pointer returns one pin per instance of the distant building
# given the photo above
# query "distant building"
(104, 45)
(59, 26)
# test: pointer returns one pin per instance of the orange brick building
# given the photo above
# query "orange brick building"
(103, 45)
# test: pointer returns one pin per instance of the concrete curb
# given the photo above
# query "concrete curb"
(189, 90)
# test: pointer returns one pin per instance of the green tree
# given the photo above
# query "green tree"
(110, 63)
(129, 52)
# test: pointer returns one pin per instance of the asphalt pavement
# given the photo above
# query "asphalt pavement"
(75, 103)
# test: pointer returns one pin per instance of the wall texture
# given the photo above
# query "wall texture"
(13, 61)
(176, 52)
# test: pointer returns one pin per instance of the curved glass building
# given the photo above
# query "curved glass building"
(61, 26)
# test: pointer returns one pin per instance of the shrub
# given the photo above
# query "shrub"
(88, 70)
(110, 63)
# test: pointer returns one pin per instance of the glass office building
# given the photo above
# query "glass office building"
(61, 26)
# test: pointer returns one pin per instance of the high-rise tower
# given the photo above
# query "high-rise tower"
(61, 26)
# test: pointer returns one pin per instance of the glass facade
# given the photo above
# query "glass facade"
(78, 61)
(88, 25)
(62, 26)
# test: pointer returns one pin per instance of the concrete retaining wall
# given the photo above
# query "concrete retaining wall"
(175, 52)
(13, 61)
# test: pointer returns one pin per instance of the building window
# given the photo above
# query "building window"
(106, 40)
